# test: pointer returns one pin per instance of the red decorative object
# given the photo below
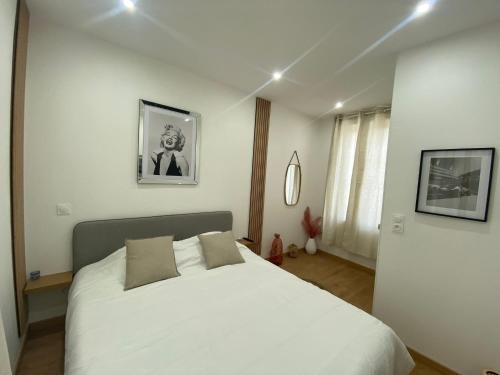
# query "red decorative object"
(276, 250)
(312, 227)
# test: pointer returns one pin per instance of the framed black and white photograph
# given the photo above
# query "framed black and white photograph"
(455, 182)
(169, 141)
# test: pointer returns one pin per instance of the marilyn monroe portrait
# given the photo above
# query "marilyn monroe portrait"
(168, 160)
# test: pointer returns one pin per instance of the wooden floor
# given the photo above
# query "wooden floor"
(44, 349)
(354, 285)
(346, 280)
(43, 352)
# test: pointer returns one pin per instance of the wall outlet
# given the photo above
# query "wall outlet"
(398, 228)
(63, 209)
(398, 223)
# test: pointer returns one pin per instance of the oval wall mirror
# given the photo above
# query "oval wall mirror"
(293, 179)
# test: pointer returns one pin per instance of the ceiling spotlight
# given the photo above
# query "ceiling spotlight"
(129, 4)
(423, 8)
(186, 119)
(277, 76)
(339, 105)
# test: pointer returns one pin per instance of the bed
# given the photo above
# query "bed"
(250, 318)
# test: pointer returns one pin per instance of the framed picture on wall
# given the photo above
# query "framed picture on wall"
(169, 144)
(455, 182)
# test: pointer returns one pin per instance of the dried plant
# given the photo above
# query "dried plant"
(312, 227)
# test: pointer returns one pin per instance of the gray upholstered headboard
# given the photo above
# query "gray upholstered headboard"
(94, 240)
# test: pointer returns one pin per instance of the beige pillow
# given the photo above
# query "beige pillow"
(220, 250)
(149, 260)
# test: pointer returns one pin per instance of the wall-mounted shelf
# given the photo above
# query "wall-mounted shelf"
(49, 282)
(250, 244)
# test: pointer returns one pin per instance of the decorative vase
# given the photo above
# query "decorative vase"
(311, 246)
(293, 251)
(276, 250)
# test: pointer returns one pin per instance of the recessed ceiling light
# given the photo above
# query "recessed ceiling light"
(423, 8)
(339, 105)
(277, 76)
(186, 119)
(129, 4)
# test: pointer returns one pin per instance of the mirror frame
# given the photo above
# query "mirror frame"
(300, 179)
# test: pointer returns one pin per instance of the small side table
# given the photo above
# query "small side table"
(49, 282)
(252, 245)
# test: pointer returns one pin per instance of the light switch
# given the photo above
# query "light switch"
(398, 223)
(63, 209)
(398, 218)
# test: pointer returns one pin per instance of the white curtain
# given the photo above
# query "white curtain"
(4, 354)
(355, 183)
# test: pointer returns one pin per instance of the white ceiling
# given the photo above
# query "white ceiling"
(241, 42)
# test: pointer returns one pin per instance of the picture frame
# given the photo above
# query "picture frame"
(455, 182)
(169, 145)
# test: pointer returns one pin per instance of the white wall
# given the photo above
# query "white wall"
(81, 140)
(290, 131)
(81, 147)
(7, 298)
(438, 284)
(5, 368)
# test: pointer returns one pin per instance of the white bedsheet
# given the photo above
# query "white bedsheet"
(251, 318)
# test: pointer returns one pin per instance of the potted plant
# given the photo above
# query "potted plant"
(313, 229)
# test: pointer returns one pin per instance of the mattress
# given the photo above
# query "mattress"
(250, 318)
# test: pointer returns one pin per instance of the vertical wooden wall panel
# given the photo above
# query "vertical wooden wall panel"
(17, 161)
(261, 135)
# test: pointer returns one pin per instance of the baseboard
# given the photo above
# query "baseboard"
(349, 262)
(431, 363)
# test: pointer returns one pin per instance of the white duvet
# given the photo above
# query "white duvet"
(251, 318)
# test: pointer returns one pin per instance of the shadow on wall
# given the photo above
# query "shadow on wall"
(453, 224)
